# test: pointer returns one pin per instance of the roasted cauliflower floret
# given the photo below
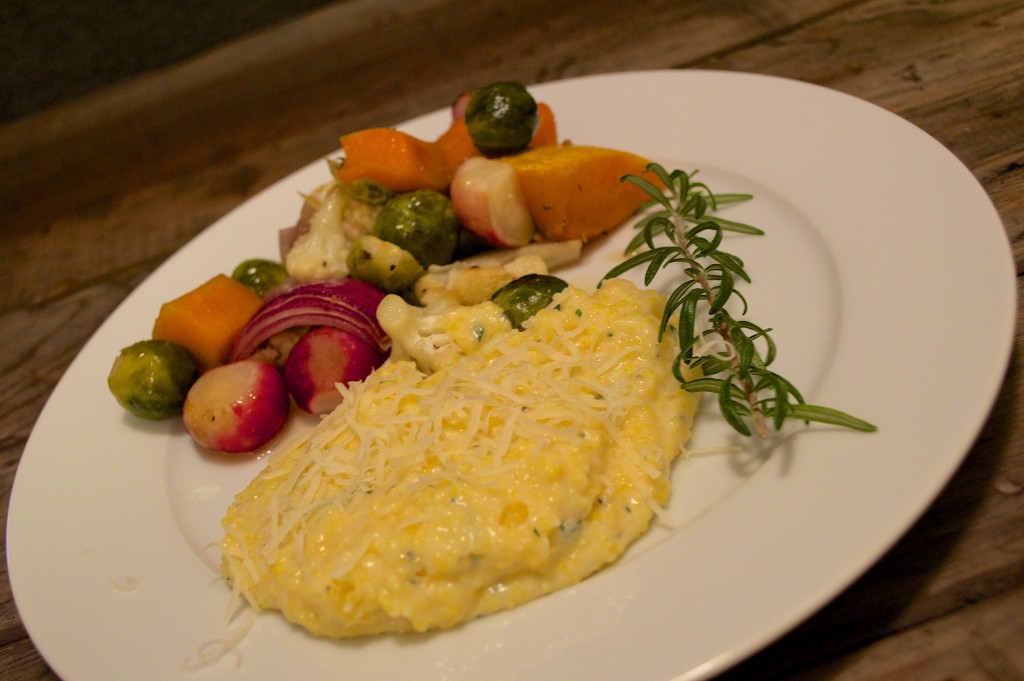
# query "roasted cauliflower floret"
(475, 279)
(437, 337)
(464, 283)
(322, 251)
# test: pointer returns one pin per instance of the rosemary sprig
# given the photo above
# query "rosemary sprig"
(750, 395)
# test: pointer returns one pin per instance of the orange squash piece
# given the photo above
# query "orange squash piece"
(456, 144)
(402, 162)
(206, 319)
(394, 159)
(576, 192)
(546, 133)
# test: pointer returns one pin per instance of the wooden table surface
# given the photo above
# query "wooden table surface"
(98, 192)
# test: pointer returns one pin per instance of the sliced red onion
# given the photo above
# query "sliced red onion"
(347, 304)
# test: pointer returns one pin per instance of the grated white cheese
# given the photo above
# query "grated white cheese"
(586, 378)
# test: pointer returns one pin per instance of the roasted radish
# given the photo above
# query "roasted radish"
(486, 196)
(324, 357)
(236, 407)
(459, 105)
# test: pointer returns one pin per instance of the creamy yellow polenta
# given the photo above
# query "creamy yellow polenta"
(426, 501)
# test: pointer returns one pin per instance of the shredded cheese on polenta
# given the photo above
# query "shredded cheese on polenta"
(523, 468)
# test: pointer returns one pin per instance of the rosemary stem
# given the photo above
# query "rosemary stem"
(722, 329)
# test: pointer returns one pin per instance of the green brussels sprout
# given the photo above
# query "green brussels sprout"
(524, 297)
(422, 222)
(501, 118)
(383, 264)
(151, 378)
(260, 275)
(368, 191)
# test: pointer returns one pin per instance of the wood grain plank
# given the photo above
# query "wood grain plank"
(181, 148)
(73, 238)
(96, 193)
(11, 628)
(20, 661)
(39, 344)
(374, 63)
(911, 58)
(977, 643)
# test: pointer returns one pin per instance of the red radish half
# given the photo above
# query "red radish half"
(488, 200)
(236, 407)
(322, 358)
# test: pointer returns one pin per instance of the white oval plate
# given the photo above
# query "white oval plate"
(868, 221)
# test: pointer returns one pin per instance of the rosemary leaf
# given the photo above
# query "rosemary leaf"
(730, 409)
(811, 412)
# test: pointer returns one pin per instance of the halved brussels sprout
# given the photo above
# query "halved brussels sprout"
(522, 298)
(422, 222)
(383, 264)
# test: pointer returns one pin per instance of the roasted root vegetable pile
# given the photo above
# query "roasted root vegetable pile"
(443, 229)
